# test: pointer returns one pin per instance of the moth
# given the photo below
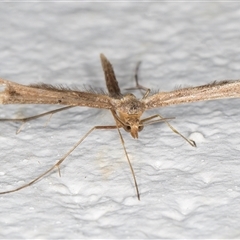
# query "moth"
(126, 109)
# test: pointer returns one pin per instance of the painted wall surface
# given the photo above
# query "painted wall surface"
(185, 192)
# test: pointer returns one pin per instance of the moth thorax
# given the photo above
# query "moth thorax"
(131, 105)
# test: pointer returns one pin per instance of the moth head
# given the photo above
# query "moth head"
(131, 123)
(133, 129)
(128, 112)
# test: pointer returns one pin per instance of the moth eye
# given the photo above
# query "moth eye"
(140, 128)
(127, 128)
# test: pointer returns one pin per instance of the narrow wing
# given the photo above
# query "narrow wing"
(111, 81)
(13, 93)
(215, 90)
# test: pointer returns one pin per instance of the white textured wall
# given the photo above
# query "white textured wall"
(185, 192)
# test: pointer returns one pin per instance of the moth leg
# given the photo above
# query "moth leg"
(59, 162)
(144, 90)
(191, 142)
(24, 120)
(148, 120)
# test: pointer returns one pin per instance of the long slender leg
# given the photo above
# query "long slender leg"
(24, 120)
(120, 124)
(191, 142)
(59, 162)
(147, 121)
(130, 165)
(138, 86)
(35, 116)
